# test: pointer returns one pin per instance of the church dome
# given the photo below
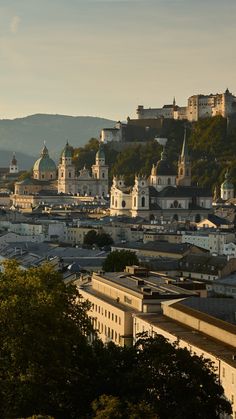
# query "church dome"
(163, 167)
(44, 163)
(227, 184)
(67, 151)
(100, 153)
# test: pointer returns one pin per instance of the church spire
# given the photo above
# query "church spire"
(184, 153)
(184, 165)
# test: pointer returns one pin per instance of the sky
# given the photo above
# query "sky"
(105, 57)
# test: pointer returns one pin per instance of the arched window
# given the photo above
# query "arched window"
(143, 201)
(112, 200)
(69, 174)
(181, 172)
(103, 175)
(135, 201)
(123, 203)
(169, 181)
(62, 174)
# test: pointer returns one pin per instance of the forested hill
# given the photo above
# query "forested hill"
(212, 146)
(26, 135)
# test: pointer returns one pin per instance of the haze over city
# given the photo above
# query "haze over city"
(103, 58)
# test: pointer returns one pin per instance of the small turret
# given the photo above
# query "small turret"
(13, 168)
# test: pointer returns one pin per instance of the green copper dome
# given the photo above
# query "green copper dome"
(227, 184)
(100, 153)
(67, 151)
(45, 163)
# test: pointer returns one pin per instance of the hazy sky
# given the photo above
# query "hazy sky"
(104, 57)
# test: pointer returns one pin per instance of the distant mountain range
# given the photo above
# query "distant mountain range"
(26, 135)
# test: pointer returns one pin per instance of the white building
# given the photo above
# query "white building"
(197, 326)
(215, 242)
(163, 193)
(198, 106)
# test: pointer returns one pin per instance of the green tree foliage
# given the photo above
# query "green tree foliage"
(110, 407)
(212, 146)
(117, 260)
(100, 238)
(43, 328)
(49, 369)
(159, 377)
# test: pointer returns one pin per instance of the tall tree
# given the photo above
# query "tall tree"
(117, 260)
(43, 329)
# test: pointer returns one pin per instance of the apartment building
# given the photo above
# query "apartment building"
(206, 327)
(116, 296)
(214, 242)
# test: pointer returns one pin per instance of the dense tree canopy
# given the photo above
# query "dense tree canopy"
(48, 368)
(99, 238)
(117, 260)
(212, 146)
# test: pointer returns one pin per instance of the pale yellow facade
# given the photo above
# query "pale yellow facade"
(200, 338)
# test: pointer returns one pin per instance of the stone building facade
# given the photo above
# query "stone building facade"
(162, 195)
(64, 179)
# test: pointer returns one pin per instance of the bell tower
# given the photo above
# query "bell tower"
(66, 172)
(184, 165)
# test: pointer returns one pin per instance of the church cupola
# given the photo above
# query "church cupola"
(100, 169)
(13, 168)
(184, 165)
(227, 188)
(162, 174)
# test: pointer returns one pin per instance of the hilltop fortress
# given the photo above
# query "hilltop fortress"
(198, 106)
(150, 121)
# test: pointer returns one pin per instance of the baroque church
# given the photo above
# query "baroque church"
(49, 179)
(164, 195)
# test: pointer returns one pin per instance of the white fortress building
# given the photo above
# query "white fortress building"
(198, 106)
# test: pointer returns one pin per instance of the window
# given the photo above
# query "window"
(135, 201)
(105, 313)
(123, 204)
(127, 300)
(69, 174)
(112, 200)
(143, 202)
(116, 318)
(103, 175)
(223, 372)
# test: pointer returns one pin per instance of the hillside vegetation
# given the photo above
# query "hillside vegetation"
(212, 146)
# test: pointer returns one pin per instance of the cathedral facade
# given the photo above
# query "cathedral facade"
(164, 195)
(64, 179)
